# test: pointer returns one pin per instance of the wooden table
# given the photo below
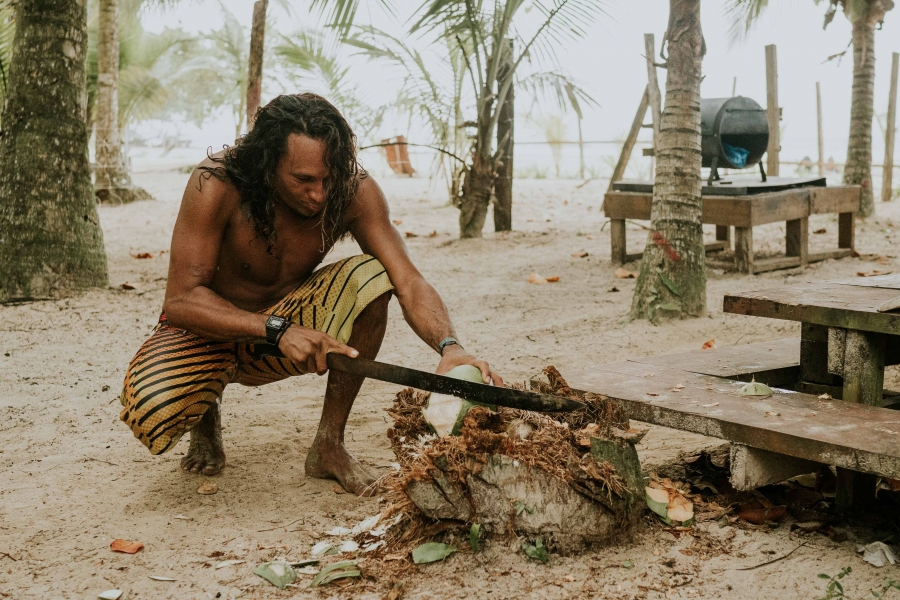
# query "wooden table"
(794, 206)
(845, 343)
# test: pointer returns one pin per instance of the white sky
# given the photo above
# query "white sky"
(608, 63)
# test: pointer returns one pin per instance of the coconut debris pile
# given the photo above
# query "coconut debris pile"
(570, 478)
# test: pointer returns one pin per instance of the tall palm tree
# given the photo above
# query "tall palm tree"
(672, 279)
(50, 236)
(112, 182)
(865, 16)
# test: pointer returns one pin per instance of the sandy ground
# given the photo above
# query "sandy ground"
(72, 478)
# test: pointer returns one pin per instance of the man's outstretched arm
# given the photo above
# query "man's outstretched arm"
(422, 306)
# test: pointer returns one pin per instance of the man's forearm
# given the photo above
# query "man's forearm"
(426, 313)
(206, 314)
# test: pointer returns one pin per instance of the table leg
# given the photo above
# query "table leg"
(743, 249)
(723, 234)
(796, 242)
(617, 241)
(862, 362)
(846, 233)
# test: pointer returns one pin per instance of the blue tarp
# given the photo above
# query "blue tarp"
(736, 156)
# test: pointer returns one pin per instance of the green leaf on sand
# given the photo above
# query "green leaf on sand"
(338, 570)
(432, 552)
(669, 284)
(474, 530)
(628, 564)
(278, 574)
(536, 551)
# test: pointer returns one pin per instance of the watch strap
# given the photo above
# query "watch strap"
(447, 341)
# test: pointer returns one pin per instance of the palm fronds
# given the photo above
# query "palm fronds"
(7, 32)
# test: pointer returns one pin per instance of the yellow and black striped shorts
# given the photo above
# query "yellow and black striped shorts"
(176, 376)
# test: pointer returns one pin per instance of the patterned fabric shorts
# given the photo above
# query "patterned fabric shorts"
(176, 376)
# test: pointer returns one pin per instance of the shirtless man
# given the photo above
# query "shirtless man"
(244, 305)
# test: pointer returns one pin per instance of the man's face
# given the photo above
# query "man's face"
(300, 176)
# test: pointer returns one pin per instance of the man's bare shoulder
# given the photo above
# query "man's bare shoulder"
(369, 199)
(210, 189)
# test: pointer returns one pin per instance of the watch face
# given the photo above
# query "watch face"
(275, 322)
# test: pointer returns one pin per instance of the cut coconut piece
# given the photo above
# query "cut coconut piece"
(754, 388)
(445, 414)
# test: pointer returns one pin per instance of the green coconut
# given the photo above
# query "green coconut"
(445, 414)
(754, 388)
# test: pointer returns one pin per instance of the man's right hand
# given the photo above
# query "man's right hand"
(307, 348)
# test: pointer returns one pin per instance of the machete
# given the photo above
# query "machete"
(430, 382)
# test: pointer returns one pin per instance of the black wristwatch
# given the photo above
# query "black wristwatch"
(447, 341)
(275, 326)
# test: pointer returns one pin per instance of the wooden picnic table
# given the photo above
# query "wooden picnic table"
(845, 343)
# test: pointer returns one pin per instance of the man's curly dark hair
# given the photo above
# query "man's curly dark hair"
(251, 163)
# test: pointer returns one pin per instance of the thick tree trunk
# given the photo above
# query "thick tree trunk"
(858, 170)
(257, 47)
(50, 237)
(475, 199)
(672, 280)
(112, 183)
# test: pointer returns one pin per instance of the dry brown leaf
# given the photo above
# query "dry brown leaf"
(128, 286)
(553, 279)
(652, 394)
(142, 255)
(208, 488)
(579, 254)
(125, 546)
(397, 222)
(709, 344)
(823, 230)
(433, 233)
(410, 234)
(872, 273)
(536, 279)
(759, 516)
(772, 413)
(337, 489)
(624, 274)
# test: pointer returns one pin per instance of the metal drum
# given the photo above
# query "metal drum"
(735, 134)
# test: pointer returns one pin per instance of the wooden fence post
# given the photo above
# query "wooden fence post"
(653, 95)
(821, 140)
(505, 142)
(773, 112)
(887, 177)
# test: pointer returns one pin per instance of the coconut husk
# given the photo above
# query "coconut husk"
(558, 445)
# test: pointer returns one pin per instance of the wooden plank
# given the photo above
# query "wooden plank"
(743, 249)
(716, 246)
(796, 240)
(887, 178)
(823, 303)
(617, 241)
(725, 210)
(738, 186)
(627, 205)
(821, 137)
(838, 199)
(890, 281)
(630, 140)
(820, 256)
(775, 363)
(844, 434)
(773, 112)
(786, 205)
(764, 265)
(753, 468)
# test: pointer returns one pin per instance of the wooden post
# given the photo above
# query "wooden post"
(630, 140)
(773, 112)
(861, 359)
(505, 141)
(821, 137)
(734, 87)
(797, 239)
(743, 249)
(654, 95)
(618, 247)
(254, 73)
(846, 231)
(887, 177)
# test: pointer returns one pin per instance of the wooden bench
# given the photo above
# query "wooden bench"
(773, 438)
(794, 206)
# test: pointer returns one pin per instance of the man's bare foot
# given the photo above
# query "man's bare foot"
(332, 461)
(206, 454)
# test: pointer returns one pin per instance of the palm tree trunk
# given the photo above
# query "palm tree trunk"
(255, 67)
(112, 182)
(479, 183)
(858, 170)
(50, 236)
(672, 280)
